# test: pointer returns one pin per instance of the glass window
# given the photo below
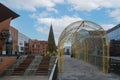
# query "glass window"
(20, 43)
(22, 48)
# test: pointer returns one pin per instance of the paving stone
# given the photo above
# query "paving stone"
(75, 69)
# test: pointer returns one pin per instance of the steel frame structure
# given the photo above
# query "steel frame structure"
(89, 42)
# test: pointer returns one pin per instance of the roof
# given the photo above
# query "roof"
(112, 29)
(6, 13)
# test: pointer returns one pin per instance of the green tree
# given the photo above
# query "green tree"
(51, 47)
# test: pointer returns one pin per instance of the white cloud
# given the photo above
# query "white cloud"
(58, 1)
(78, 5)
(43, 30)
(107, 26)
(52, 9)
(42, 14)
(88, 5)
(31, 5)
(33, 15)
(115, 14)
(58, 24)
(83, 5)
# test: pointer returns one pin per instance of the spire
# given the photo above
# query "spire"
(51, 47)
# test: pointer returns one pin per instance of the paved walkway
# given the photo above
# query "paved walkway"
(24, 78)
(78, 70)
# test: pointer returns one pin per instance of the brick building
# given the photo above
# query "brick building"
(14, 40)
(6, 15)
(26, 48)
(37, 47)
(43, 47)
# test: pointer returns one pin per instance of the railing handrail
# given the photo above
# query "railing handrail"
(52, 72)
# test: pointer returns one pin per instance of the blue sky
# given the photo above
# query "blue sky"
(36, 16)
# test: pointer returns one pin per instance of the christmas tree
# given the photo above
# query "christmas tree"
(51, 47)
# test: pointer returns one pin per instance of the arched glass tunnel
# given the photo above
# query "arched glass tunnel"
(88, 41)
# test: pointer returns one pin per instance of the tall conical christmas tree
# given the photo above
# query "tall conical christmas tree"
(51, 47)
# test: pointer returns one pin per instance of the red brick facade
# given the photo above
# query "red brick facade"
(5, 62)
(4, 25)
(14, 36)
(6, 15)
(37, 47)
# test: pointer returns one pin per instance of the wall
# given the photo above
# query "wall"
(43, 47)
(22, 40)
(37, 47)
(5, 62)
(4, 25)
(14, 36)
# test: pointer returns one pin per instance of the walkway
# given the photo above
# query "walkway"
(78, 70)
(24, 78)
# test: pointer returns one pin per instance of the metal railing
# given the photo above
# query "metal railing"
(53, 75)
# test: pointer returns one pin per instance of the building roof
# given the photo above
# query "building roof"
(6, 13)
(112, 29)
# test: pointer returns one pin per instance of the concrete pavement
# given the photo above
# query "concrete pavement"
(78, 70)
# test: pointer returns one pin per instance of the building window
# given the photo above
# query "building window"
(38, 46)
(22, 48)
(26, 44)
(20, 43)
(32, 46)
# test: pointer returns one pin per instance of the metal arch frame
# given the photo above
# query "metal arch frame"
(61, 42)
(85, 43)
(103, 59)
(64, 31)
(77, 27)
(63, 39)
